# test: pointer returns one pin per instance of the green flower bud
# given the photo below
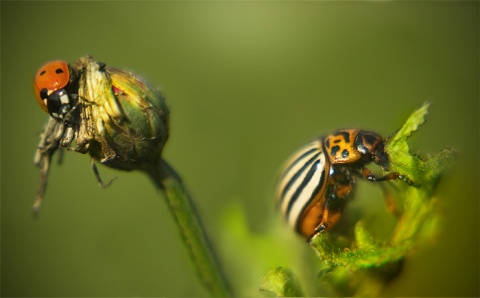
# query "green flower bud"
(123, 120)
(117, 118)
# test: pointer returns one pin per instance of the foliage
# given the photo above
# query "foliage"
(363, 265)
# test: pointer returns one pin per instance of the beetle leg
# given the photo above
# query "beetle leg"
(326, 220)
(390, 136)
(390, 176)
(317, 231)
(390, 204)
(322, 225)
(97, 175)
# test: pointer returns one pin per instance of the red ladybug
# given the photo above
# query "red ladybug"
(50, 86)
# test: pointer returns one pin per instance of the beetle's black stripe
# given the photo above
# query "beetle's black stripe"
(306, 180)
(302, 181)
(346, 135)
(299, 172)
(314, 193)
(299, 159)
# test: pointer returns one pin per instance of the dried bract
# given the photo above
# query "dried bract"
(119, 119)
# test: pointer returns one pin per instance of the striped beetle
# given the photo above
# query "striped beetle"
(317, 179)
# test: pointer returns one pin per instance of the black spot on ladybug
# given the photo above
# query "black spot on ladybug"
(345, 153)
(334, 150)
(346, 135)
(337, 141)
(58, 70)
(43, 72)
(44, 93)
(369, 139)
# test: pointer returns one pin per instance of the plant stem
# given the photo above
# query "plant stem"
(191, 228)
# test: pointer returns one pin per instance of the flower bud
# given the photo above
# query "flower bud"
(113, 115)
(123, 120)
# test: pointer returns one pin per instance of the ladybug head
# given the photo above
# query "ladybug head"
(371, 146)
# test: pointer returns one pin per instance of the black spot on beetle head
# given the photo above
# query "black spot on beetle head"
(344, 134)
(334, 150)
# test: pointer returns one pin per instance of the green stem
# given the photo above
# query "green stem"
(191, 228)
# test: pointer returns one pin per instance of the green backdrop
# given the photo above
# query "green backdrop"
(247, 83)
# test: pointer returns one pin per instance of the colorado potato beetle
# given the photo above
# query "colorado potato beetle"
(317, 179)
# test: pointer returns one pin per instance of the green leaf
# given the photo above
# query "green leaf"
(280, 282)
(369, 262)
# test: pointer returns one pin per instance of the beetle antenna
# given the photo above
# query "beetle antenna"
(390, 136)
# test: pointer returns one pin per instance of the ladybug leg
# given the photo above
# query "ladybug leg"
(97, 175)
(67, 138)
(70, 116)
(49, 143)
(44, 169)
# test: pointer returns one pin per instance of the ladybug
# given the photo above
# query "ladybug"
(50, 87)
(318, 178)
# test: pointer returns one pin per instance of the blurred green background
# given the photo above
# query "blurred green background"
(247, 83)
